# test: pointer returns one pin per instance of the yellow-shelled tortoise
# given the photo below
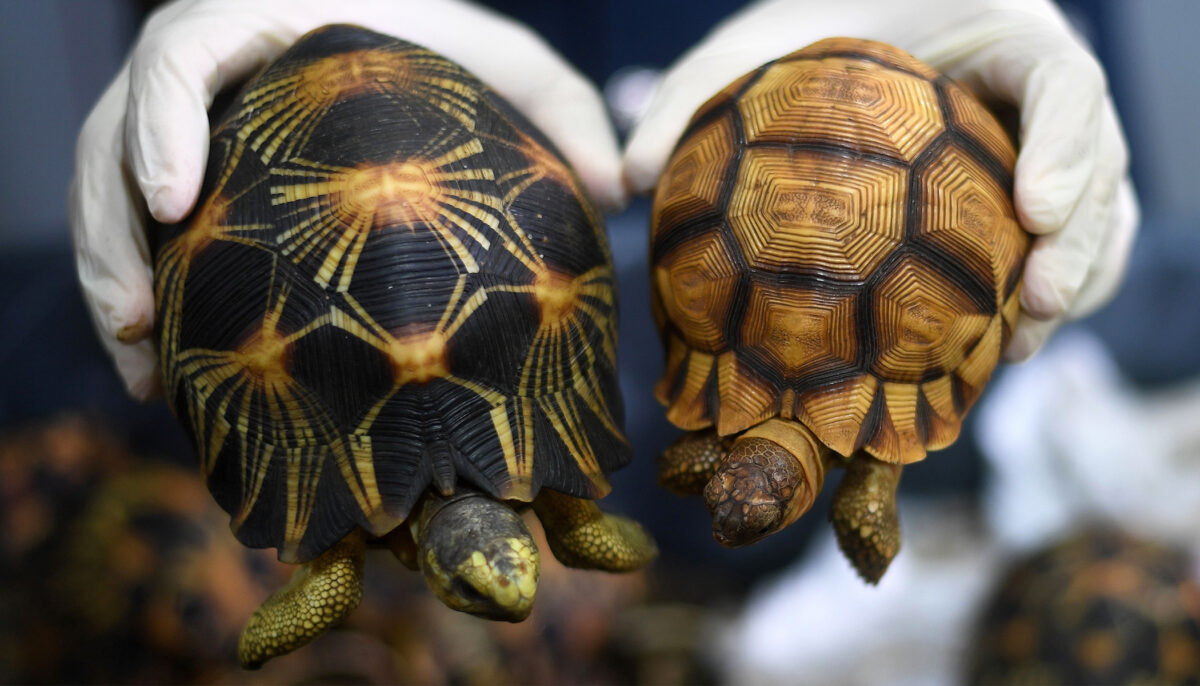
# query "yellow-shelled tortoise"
(391, 318)
(836, 268)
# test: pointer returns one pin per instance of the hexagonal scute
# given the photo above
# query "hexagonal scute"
(971, 117)
(925, 324)
(856, 103)
(691, 185)
(803, 331)
(969, 216)
(696, 282)
(817, 213)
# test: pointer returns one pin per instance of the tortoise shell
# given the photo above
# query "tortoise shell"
(834, 241)
(1100, 607)
(392, 280)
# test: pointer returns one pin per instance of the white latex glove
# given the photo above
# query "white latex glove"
(1072, 186)
(147, 137)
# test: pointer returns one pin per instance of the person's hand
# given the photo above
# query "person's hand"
(1072, 188)
(146, 141)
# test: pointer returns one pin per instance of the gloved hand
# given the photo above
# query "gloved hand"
(1072, 188)
(147, 137)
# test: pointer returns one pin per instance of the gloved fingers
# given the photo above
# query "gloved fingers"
(1108, 270)
(1029, 337)
(1060, 262)
(1037, 65)
(187, 52)
(1061, 125)
(195, 48)
(111, 254)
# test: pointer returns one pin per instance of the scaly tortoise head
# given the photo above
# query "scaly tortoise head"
(392, 288)
(836, 270)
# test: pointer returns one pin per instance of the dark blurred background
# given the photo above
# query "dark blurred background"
(58, 55)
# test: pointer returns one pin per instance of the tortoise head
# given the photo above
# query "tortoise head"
(770, 477)
(478, 556)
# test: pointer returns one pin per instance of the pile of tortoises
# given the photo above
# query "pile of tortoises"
(391, 318)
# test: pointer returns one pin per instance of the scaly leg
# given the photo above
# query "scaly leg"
(320, 595)
(688, 463)
(581, 535)
(865, 517)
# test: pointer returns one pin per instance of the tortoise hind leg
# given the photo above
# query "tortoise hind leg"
(865, 517)
(688, 463)
(583, 536)
(320, 595)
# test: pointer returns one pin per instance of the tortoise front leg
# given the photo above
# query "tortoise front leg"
(865, 517)
(583, 536)
(320, 595)
(686, 466)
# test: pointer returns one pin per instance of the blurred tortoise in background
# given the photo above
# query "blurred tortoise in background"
(390, 319)
(836, 268)
(1100, 607)
(120, 570)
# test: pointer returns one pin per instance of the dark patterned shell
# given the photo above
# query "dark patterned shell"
(392, 279)
(834, 240)
(1101, 607)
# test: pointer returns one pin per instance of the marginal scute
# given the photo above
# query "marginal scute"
(746, 399)
(689, 410)
(677, 355)
(973, 119)
(942, 420)
(904, 437)
(835, 412)
(976, 369)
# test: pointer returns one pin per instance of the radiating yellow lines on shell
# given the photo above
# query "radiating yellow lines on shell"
(554, 354)
(542, 164)
(344, 204)
(206, 226)
(275, 417)
(285, 111)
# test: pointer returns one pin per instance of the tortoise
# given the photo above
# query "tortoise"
(391, 320)
(1100, 606)
(836, 266)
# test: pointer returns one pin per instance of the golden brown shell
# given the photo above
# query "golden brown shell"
(834, 240)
